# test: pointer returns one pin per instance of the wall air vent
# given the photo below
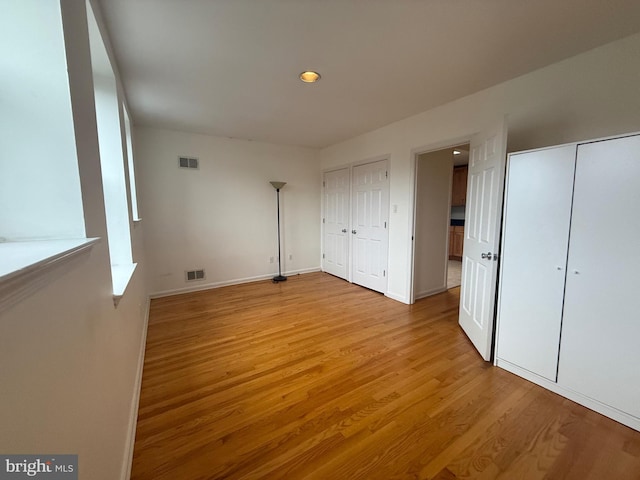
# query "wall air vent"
(187, 162)
(192, 275)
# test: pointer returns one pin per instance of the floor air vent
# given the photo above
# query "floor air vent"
(195, 275)
(187, 162)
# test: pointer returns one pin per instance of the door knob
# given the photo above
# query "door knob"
(354, 232)
(344, 230)
(486, 255)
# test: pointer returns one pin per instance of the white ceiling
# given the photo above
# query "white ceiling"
(230, 67)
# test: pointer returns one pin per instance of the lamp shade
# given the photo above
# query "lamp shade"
(278, 185)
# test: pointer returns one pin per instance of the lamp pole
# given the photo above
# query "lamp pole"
(279, 277)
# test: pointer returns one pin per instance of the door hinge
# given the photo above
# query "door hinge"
(324, 184)
(385, 224)
(386, 174)
(323, 220)
(323, 255)
(384, 273)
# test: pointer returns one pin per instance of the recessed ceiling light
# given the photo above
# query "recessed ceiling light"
(457, 152)
(309, 76)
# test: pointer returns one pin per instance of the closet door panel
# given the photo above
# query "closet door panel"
(534, 255)
(600, 351)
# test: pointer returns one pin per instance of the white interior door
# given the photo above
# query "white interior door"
(370, 214)
(537, 216)
(485, 187)
(336, 222)
(599, 354)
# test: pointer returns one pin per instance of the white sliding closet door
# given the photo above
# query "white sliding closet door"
(534, 255)
(600, 355)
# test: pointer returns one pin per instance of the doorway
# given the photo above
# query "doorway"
(441, 181)
(483, 221)
(460, 155)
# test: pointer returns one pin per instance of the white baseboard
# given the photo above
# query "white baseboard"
(613, 413)
(226, 283)
(433, 291)
(397, 298)
(135, 402)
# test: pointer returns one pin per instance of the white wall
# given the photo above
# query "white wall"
(591, 95)
(69, 359)
(222, 216)
(433, 197)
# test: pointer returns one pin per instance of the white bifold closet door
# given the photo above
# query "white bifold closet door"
(600, 351)
(534, 255)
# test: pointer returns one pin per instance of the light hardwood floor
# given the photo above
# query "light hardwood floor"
(317, 378)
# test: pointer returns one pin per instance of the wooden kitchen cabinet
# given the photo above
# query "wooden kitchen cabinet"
(459, 188)
(456, 241)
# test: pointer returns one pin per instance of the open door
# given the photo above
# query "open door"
(485, 188)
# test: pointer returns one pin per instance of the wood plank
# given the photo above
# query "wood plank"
(318, 378)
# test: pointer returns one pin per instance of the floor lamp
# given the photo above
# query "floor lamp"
(279, 277)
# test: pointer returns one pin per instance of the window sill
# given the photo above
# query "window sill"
(27, 266)
(120, 277)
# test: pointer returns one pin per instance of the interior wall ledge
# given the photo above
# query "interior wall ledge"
(26, 267)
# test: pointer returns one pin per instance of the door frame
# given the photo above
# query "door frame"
(415, 153)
